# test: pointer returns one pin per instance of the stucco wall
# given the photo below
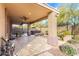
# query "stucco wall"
(52, 29)
(8, 26)
(2, 21)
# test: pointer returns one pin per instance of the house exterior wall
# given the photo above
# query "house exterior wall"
(5, 24)
(8, 27)
(2, 21)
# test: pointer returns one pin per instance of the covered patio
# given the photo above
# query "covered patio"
(28, 13)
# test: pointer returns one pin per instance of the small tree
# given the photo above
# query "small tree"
(69, 15)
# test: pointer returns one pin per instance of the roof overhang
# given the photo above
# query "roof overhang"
(27, 12)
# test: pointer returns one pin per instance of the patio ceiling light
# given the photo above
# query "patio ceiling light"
(29, 13)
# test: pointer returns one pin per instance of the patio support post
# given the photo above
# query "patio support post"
(52, 29)
(8, 26)
(28, 31)
(2, 22)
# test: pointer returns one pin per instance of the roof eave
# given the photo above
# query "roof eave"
(46, 6)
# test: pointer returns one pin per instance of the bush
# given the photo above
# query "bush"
(68, 50)
(63, 33)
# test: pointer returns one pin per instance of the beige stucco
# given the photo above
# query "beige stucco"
(5, 24)
(2, 21)
(8, 27)
(52, 29)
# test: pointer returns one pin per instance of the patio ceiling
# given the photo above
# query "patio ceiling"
(31, 12)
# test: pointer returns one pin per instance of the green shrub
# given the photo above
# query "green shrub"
(68, 50)
(63, 33)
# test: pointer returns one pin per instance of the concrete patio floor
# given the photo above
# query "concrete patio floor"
(35, 46)
(21, 42)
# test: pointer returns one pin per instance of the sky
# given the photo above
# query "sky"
(55, 5)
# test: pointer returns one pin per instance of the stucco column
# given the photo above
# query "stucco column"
(8, 25)
(52, 29)
(2, 21)
(8, 28)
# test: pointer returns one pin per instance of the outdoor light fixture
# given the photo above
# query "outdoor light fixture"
(29, 13)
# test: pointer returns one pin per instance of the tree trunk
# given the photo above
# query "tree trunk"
(67, 26)
(73, 31)
(28, 32)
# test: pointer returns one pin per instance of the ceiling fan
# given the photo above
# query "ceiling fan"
(24, 18)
